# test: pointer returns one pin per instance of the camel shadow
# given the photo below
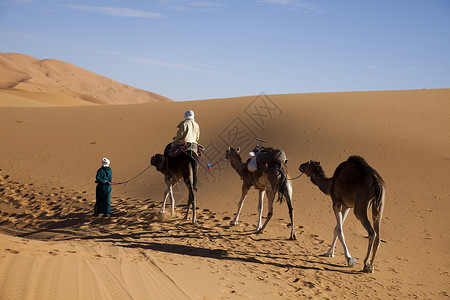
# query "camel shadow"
(240, 256)
(69, 227)
(120, 240)
(194, 251)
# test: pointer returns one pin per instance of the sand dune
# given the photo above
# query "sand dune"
(56, 248)
(52, 82)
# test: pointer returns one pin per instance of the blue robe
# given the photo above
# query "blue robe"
(103, 191)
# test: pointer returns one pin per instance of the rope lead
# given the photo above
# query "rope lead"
(126, 181)
(282, 172)
(208, 165)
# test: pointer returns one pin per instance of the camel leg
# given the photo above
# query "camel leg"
(340, 212)
(193, 186)
(187, 173)
(166, 194)
(339, 216)
(172, 199)
(374, 236)
(240, 205)
(271, 198)
(330, 252)
(260, 210)
(288, 196)
(186, 216)
(368, 268)
(362, 217)
(191, 201)
(377, 211)
(188, 204)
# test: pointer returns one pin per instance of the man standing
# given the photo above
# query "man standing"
(103, 190)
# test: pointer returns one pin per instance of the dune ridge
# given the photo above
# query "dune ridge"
(27, 81)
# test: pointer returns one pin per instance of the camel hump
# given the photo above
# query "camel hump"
(357, 160)
(366, 169)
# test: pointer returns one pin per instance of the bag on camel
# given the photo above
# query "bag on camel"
(252, 165)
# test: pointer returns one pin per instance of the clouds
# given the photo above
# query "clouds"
(191, 5)
(415, 68)
(407, 68)
(116, 11)
(373, 67)
(180, 5)
(177, 66)
(47, 5)
(295, 5)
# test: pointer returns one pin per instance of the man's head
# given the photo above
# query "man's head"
(189, 115)
(105, 162)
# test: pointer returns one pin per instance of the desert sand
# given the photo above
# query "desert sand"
(51, 246)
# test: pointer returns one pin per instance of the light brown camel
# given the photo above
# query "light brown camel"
(354, 185)
(263, 180)
(175, 168)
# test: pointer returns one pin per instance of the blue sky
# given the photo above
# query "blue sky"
(195, 49)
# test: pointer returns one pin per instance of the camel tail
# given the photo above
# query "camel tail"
(282, 186)
(380, 194)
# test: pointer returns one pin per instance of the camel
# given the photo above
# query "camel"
(269, 180)
(175, 168)
(354, 185)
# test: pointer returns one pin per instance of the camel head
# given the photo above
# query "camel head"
(231, 151)
(158, 160)
(311, 167)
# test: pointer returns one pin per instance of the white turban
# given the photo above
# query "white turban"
(189, 115)
(105, 162)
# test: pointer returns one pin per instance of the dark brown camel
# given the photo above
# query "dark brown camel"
(354, 185)
(175, 168)
(269, 180)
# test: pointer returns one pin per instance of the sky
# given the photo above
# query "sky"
(203, 49)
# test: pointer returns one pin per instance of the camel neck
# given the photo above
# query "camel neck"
(236, 163)
(323, 182)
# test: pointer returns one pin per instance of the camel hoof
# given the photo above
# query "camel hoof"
(233, 222)
(293, 238)
(351, 262)
(368, 269)
(258, 231)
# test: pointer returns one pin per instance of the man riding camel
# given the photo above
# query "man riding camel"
(188, 130)
(188, 135)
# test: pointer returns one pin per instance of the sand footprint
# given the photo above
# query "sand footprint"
(12, 251)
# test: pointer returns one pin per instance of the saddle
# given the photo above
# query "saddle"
(173, 150)
(267, 157)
